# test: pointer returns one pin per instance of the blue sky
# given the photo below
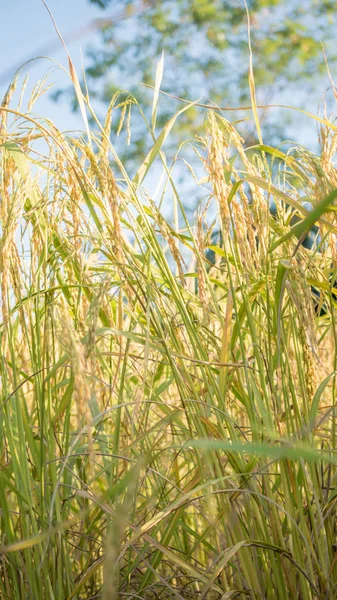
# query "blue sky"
(26, 28)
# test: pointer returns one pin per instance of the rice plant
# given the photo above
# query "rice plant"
(168, 422)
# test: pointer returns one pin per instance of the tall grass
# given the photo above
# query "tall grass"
(168, 425)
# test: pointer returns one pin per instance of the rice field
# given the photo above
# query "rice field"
(168, 421)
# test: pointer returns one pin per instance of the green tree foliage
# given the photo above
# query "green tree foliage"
(206, 51)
